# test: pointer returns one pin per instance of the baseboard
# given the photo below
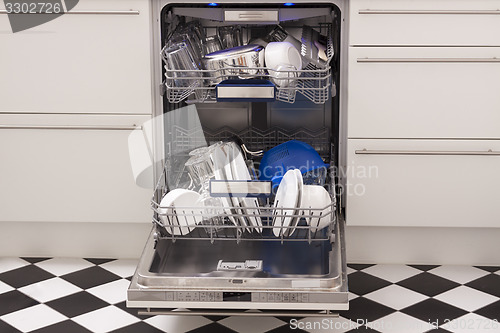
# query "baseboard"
(83, 240)
(452, 246)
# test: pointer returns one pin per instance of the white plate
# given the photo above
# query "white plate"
(240, 172)
(229, 148)
(220, 161)
(186, 218)
(300, 186)
(315, 196)
(286, 197)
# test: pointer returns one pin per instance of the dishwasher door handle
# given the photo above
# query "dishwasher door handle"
(489, 152)
(428, 60)
(81, 12)
(72, 127)
(428, 12)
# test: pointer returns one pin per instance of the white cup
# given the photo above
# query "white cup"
(282, 53)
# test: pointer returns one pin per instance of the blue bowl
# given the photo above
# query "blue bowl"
(292, 154)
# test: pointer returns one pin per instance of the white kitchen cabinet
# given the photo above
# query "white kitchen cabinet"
(425, 22)
(69, 168)
(423, 92)
(97, 62)
(401, 183)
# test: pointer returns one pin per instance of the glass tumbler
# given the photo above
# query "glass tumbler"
(230, 36)
(212, 44)
(181, 67)
(201, 170)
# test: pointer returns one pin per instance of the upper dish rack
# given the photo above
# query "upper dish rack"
(313, 82)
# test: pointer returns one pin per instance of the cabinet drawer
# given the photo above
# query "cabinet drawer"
(97, 62)
(425, 22)
(439, 183)
(424, 93)
(69, 169)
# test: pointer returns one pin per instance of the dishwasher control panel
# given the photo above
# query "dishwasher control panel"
(222, 296)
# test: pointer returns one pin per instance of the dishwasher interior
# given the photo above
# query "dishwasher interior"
(237, 238)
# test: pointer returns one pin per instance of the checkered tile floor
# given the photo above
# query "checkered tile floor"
(52, 295)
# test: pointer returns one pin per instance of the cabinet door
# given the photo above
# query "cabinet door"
(425, 22)
(441, 183)
(69, 169)
(80, 63)
(424, 93)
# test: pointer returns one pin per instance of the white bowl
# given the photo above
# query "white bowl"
(177, 202)
(282, 53)
(315, 197)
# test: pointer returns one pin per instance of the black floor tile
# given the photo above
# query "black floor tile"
(24, 276)
(363, 329)
(364, 309)
(359, 267)
(139, 327)
(77, 304)
(97, 261)
(13, 301)
(433, 311)
(211, 328)
(215, 318)
(491, 311)
(491, 269)
(33, 260)
(66, 326)
(428, 284)
(132, 311)
(438, 330)
(362, 283)
(90, 277)
(6, 328)
(424, 268)
(284, 329)
(490, 284)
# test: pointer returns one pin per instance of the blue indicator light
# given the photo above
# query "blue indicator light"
(288, 4)
(213, 4)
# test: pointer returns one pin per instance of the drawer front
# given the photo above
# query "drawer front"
(425, 22)
(424, 93)
(75, 169)
(441, 183)
(80, 63)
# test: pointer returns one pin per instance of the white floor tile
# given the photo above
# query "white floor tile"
(466, 298)
(317, 325)
(5, 287)
(251, 324)
(398, 322)
(62, 266)
(177, 324)
(33, 318)
(112, 292)
(49, 290)
(8, 263)
(121, 267)
(352, 296)
(396, 297)
(472, 323)
(392, 273)
(105, 319)
(350, 270)
(460, 274)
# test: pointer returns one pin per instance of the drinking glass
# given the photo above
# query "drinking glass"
(211, 44)
(181, 66)
(230, 36)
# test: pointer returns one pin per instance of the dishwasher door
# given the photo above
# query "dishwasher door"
(184, 274)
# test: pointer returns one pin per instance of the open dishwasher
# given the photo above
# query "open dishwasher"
(227, 237)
